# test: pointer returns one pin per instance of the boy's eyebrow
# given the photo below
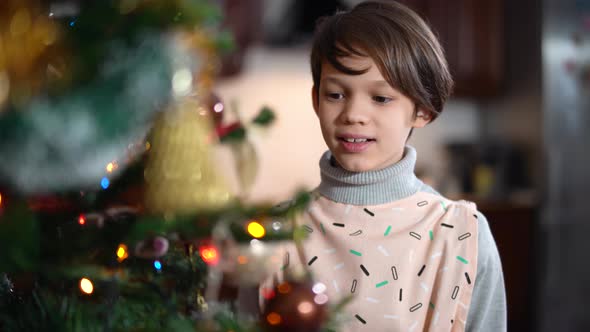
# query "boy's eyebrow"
(335, 79)
(383, 83)
(331, 79)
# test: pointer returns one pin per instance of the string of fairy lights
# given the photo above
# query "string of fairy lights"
(208, 252)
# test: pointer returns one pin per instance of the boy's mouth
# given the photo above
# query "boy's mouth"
(349, 138)
(356, 140)
(355, 143)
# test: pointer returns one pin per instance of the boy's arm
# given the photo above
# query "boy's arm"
(487, 311)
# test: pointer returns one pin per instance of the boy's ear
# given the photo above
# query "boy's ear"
(422, 118)
(314, 99)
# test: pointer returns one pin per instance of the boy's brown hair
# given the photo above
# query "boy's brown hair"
(400, 43)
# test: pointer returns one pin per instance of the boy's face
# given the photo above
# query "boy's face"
(365, 122)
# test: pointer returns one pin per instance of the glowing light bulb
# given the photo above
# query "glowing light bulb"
(158, 265)
(0, 199)
(182, 82)
(209, 254)
(319, 288)
(122, 253)
(305, 307)
(104, 183)
(256, 229)
(321, 299)
(86, 286)
(284, 288)
(111, 167)
(277, 225)
(218, 107)
(268, 293)
(81, 219)
(273, 318)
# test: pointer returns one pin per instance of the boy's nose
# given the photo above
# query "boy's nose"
(354, 113)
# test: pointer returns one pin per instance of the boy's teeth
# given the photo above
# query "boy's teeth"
(355, 140)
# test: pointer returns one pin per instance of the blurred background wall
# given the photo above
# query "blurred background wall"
(511, 138)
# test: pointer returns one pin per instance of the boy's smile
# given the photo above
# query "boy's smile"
(365, 122)
(355, 143)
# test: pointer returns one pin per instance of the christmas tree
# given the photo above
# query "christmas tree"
(113, 215)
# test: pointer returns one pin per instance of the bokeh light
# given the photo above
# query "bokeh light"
(158, 265)
(273, 318)
(104, 183)
(305, 307)
(111, 166)
(209, 254)
(122, 253)
(86, 286)
(256, 229)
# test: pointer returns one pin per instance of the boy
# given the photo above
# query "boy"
(412, 259)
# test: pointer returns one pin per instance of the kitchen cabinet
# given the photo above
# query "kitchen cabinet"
(513, 228)
(471, 33)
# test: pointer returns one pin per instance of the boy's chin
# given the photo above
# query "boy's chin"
(355, 165)
(357, 169)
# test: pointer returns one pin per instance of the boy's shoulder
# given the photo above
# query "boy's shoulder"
(429, 191)
(488, 255)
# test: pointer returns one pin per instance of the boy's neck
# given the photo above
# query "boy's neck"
(382, 186)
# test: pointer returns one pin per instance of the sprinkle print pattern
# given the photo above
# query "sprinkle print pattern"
(464, 236)
(462, 260)
(416, 307)
(387, 230)
(394, 273)
(365, 270)
(381, 284)
(312, 260)
(455, 292)
(360, 319)
(424, 286)
(421, 270)
(418, 268)
(354, 252)
(383, 251)
(336, 287)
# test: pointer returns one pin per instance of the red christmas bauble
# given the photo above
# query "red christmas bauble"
(294, 307)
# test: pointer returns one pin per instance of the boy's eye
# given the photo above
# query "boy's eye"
(381, 99)
(334, 95)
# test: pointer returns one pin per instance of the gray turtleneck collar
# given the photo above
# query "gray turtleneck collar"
(369, 188)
